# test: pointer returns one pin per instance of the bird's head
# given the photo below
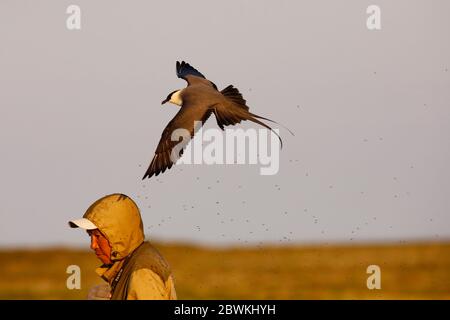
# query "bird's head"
(174, 97)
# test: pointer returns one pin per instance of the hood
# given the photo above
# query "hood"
(118, 218)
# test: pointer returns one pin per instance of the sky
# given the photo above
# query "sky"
(81, 116)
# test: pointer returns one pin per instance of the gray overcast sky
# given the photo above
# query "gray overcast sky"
(81, 117)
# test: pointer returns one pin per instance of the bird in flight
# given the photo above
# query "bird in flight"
(198, 101)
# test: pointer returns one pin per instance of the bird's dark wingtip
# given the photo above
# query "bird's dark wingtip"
(147, 175)
(185, 69)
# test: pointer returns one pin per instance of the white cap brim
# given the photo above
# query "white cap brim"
(82, 223)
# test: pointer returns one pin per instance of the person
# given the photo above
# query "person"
(132, 267)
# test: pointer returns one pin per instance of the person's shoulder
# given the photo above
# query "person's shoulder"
(148, 257)
(147, 252)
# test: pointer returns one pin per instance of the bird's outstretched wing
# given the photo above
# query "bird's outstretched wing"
(185, 119)
(184, 69)
(234, 110)
(191, 75)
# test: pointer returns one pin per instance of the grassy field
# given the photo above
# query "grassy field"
(409, 271)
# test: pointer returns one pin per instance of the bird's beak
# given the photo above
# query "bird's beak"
(164, 101)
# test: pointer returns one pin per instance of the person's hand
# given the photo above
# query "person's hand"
(100, 292)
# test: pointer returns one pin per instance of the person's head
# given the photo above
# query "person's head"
(100, 245)
(115, 226)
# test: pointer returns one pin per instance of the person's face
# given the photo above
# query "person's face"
(100, 245)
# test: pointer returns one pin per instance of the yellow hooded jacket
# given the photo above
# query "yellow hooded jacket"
(138, 272)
